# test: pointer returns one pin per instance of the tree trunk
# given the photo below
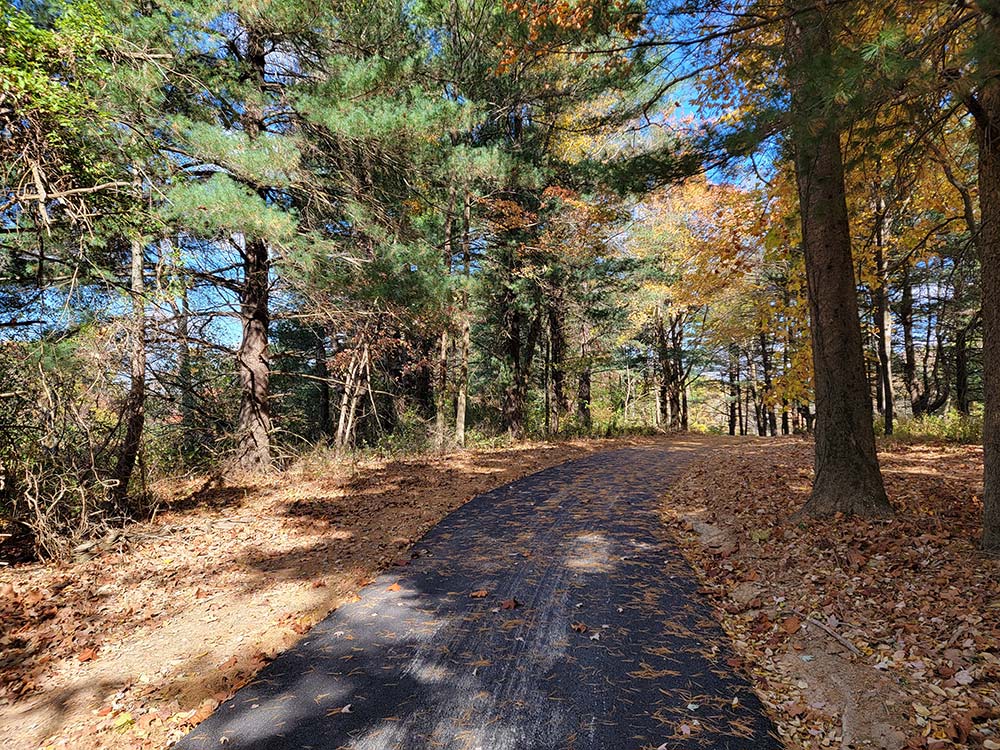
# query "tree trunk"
(583, 412)
(441, 391)
(441, 369)
(883, 324)
(848, 479)
(185, 380)
(134, 411)
(909, 349)
(734, 389)
(254, 369)
(680, 376)
(988, 137)
(521, 352)
(963, 398)
(758, 411)
(557, 355)
(465, 328)
(252, 364)
(768, 398)
(322, 372)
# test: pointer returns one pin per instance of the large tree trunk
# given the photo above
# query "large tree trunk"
(252, 364)
(134, 411)
(254, 427)
(848, 479)
(988, 133)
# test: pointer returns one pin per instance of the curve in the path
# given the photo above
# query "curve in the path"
(591, 636)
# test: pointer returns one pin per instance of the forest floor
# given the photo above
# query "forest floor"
(133, 647)
(855, 632)
(881, 634)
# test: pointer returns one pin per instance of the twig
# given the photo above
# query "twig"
(830, 632)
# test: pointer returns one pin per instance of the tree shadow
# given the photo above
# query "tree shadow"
(588, 633)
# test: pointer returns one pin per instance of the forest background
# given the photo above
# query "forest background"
(237, 235)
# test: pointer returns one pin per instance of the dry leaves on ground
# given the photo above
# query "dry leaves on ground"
(858, 633)
(132, 647)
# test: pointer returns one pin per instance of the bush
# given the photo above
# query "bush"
(947, 427)
(54, 450)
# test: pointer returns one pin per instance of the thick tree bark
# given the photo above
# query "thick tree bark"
(253, 365)
(134, 411)
(848, 479)
(988, 137)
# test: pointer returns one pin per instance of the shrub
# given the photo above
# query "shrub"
(947, 427)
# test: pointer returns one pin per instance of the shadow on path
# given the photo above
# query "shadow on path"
(591, 636)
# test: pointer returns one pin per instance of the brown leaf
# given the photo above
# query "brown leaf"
(480, 594)
(511, 603)
(579, 627)
(88, 654)
(204, 710)
(791, 624)
(795, 709)
(395, 587)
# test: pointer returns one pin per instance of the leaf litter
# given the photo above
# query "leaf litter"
(857, 633)
(136, 642)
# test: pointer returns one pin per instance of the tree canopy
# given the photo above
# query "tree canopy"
(236, 232)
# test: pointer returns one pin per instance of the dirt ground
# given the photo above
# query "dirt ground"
(131, 648)
(859, 634)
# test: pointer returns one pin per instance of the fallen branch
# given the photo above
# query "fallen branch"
(830, 632)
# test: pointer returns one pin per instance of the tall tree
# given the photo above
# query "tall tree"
(847, 474)
(986, 110)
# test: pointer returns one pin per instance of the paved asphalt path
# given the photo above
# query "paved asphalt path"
(590, 636)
